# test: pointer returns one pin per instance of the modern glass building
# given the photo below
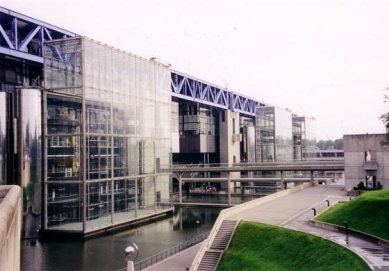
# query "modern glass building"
(107, 136)
(198, 129)
(90, 132)
(304, 138)
(273, 134)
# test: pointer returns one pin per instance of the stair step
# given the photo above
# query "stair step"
(211, 257)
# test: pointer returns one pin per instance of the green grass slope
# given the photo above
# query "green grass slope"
(256, 246)
(368, 213)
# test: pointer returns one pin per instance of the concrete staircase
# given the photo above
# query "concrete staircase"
(223, 237)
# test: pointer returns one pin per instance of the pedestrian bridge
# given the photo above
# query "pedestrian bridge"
(333, 165)
(308, 171)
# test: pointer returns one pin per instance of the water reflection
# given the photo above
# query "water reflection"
(107, 252)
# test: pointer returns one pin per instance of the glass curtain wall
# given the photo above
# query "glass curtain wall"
(284, 142)
(265, 134)
(198, 128)
(274, 134)
(308, 137)
(116, 126)
(297, 138)
(247, 145)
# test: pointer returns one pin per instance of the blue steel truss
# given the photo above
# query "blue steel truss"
(189, 88)
(192, 89)
(22, 36)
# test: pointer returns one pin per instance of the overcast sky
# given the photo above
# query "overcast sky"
(323, 59)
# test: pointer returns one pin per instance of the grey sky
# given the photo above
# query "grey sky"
(323, 59)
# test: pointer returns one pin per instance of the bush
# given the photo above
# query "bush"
(361, 186)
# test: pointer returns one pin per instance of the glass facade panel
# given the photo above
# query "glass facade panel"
(273, 135)
(283, 132)
(198, 128)
(63, 66)
(297, 134)
(265, 134)
(63, 149)
(122, 121)
(64, 206)
(307, 136)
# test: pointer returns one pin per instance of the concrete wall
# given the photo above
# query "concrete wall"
(229, 141)
(355, 147)
(10, 227)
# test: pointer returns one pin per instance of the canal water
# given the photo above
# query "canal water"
(107, 252)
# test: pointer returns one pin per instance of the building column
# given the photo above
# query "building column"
(179, 187)
(283, 184)
(229, 187)
(312, 179)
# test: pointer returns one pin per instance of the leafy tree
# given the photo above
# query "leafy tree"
(329, 144)
(385, 119)
(338, 144)
(321, 145)
(325, 145)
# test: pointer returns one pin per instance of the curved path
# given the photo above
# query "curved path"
(294, 211)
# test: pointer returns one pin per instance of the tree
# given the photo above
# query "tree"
(321, 144)
(385, 119)
(326, 145)
(338, 144)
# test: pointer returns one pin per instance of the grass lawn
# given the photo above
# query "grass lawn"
(256, 246)
(368, 213)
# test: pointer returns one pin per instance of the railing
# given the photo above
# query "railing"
(314, 161)
(168, 253)
(249, 167)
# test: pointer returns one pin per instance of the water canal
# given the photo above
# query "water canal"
(107, 252)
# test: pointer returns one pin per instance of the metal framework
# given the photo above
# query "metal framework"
(189, 88)
(22, 36)
(192, 89)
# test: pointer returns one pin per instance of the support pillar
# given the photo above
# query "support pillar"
(229, 187)
(283, 184)
(180, 187)
(312, 179)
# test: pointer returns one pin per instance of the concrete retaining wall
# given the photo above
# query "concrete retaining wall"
(352, 232)
(10, 227)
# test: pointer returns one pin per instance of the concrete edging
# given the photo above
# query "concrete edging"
(10, 227)
(224, 214)
(333, 227)
(352, 232)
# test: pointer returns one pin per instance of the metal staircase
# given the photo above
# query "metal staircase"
(223, 237)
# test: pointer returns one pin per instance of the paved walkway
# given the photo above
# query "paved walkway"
(294, 211)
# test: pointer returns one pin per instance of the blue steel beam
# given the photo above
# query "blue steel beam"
(244, 105)
(22, 36)
(193, 89)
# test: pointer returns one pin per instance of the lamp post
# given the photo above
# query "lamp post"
(131, 253)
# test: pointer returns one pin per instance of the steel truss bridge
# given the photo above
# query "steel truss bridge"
(192, 89)
(182, 171)
(23, 37)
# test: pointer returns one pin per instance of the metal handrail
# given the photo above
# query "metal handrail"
(143, 264)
